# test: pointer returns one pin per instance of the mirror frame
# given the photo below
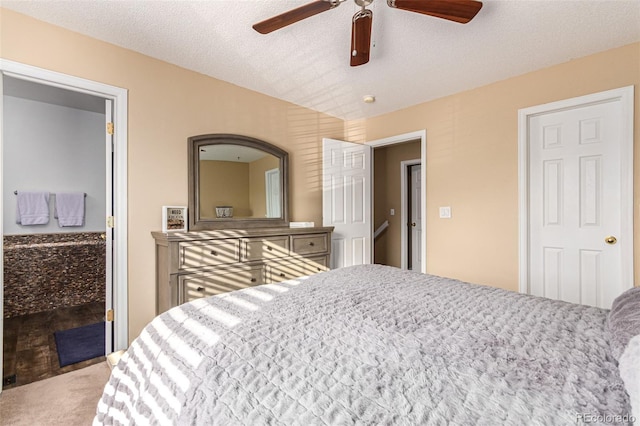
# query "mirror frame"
(196, 223)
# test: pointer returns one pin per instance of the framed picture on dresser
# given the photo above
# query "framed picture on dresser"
(174, 218)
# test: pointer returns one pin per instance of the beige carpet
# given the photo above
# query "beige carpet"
(67, 399)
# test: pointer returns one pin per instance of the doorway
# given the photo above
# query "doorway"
(392, 201)
(114, 307)
(576, 202)
(55, 275)
(348, 198)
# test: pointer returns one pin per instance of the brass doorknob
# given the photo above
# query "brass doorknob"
(611, 240)
(413, 224)
(103, 236)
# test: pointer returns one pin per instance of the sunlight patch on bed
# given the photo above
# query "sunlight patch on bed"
(199, 330)
(155, 408)
(240, 302)
(216, 314)
(165, 392)
(165, 362)
(127, 381)
(142, 383)
(266, 297)
(123, 398)
(275, 287)
(177, 344)
(143, 365)
(296, 281)
(116, 414)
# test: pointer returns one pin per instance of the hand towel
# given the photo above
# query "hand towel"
(69, 208)
(32, 208)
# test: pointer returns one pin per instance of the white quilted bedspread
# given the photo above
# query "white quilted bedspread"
(369, 345)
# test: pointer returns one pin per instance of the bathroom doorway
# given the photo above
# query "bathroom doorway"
(84, 266)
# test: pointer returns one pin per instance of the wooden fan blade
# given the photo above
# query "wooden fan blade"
(294, 15)
(461, 11)
(361, 37)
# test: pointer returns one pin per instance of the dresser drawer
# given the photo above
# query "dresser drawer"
(195, 286)
(310, 243)
(211, 253)
(264, 248)
(282, 271)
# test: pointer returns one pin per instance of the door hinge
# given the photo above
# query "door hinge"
(110, 128)
(110, 315)
(110, 221)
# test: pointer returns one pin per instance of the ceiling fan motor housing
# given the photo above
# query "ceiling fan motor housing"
(363, 3)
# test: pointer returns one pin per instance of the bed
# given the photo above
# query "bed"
(374, 344)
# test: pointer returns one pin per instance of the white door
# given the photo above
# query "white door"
(415, 221)
(109, 234)
(1, 237)
(577, 174)
(346, 201)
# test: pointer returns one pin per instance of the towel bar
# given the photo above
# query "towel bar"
(51, 193)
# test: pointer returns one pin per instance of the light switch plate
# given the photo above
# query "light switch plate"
(445, 212)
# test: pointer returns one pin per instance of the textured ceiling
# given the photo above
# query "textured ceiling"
(414, 58)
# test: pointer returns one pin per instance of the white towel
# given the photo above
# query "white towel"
(69, 208)
(32, 208)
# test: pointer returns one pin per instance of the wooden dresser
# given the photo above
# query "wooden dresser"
(190, 265)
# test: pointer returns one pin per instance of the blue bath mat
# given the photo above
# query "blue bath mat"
(80, 344)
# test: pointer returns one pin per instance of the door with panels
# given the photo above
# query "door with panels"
(576, 189)
(346, 201)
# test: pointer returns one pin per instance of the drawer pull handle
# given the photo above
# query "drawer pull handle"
(282, 274)
(253, 280)
(311, 244)
(214, 253)
(200, 289)
(269, 248)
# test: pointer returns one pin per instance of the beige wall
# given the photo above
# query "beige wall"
(471, 144)
(472, 152)
(224, 183)
(167, 104)
(387, 195)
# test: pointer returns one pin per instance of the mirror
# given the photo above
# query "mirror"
(236, 182)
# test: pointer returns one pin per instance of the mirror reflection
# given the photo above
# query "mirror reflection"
(238, 182)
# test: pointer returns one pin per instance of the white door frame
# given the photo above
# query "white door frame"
(119, 97)
(404, 210)
(420, 135)
(625, 96)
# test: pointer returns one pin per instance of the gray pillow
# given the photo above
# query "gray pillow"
(623, 321)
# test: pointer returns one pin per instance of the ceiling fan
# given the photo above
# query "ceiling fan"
(461, 11)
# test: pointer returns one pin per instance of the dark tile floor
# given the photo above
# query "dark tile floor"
(30, 348)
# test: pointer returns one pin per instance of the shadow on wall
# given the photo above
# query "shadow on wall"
(305, 131)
